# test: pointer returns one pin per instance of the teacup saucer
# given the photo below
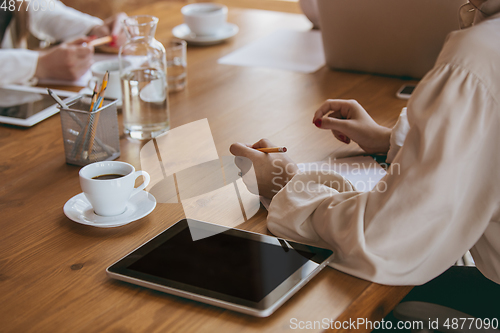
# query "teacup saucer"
(182, 31)
(79, 210)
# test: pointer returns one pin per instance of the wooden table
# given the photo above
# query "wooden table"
(52, 270)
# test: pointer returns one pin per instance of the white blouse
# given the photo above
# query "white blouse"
(59, 24)
(441, 196)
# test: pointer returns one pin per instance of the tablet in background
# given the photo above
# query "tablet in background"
(234, 269)
(26, 106)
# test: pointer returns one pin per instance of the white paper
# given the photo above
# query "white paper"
(362, 171)
(300, 51)
(84, 80)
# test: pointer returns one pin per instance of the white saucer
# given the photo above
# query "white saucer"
(87, 91)
(79, 210)
(182, 31)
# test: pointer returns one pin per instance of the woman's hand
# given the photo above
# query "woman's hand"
(67, 61)
(349, 121)
(113, 27)
(273, 171)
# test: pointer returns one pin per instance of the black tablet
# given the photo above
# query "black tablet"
(230, 268)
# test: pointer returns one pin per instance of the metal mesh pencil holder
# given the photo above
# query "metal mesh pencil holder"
(90, 136)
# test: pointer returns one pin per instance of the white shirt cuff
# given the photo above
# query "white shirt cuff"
(398, 135)
(18, 66)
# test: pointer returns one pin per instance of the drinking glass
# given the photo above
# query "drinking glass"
(176, 64)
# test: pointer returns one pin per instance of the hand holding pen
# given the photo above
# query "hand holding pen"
(272, 171)
(67, 61)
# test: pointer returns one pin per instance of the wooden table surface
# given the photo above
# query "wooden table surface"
(52, 270)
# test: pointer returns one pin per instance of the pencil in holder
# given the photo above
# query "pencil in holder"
(90, 136)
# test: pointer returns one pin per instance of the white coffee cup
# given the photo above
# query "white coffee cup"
(110, 197)
(204, 19)
(113, 89)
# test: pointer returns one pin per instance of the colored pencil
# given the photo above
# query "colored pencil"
(273, 150)
(100, 41)
(95, 117)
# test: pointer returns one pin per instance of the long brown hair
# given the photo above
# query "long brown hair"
(21, 28)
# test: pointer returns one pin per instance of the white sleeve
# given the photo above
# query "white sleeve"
(18, 66)
(58, 22)
(398, 135)
(429, 210)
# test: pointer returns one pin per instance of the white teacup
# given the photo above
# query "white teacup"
(204, 19)
(109, 197)
(113, 89)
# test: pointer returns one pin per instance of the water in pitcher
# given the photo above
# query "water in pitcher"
(145, 103)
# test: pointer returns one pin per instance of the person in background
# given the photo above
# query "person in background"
(442, 192)
(52, 22)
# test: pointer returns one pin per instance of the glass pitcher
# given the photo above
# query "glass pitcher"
(143, 78)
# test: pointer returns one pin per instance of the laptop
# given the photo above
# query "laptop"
(391, 37)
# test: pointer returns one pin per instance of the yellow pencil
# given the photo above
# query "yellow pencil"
(83, 136)
(95, 119)
(273, 150)
(103, 87)
(100, 41)
(94, 97)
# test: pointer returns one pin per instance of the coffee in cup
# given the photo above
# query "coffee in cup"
(108, 176)
(204, 19)
(109, 185)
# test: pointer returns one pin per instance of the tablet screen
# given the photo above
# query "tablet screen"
(22, 104)
(234, 266)
(231, 268)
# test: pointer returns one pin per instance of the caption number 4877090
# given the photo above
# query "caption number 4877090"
(35, 5)
(471, 323)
